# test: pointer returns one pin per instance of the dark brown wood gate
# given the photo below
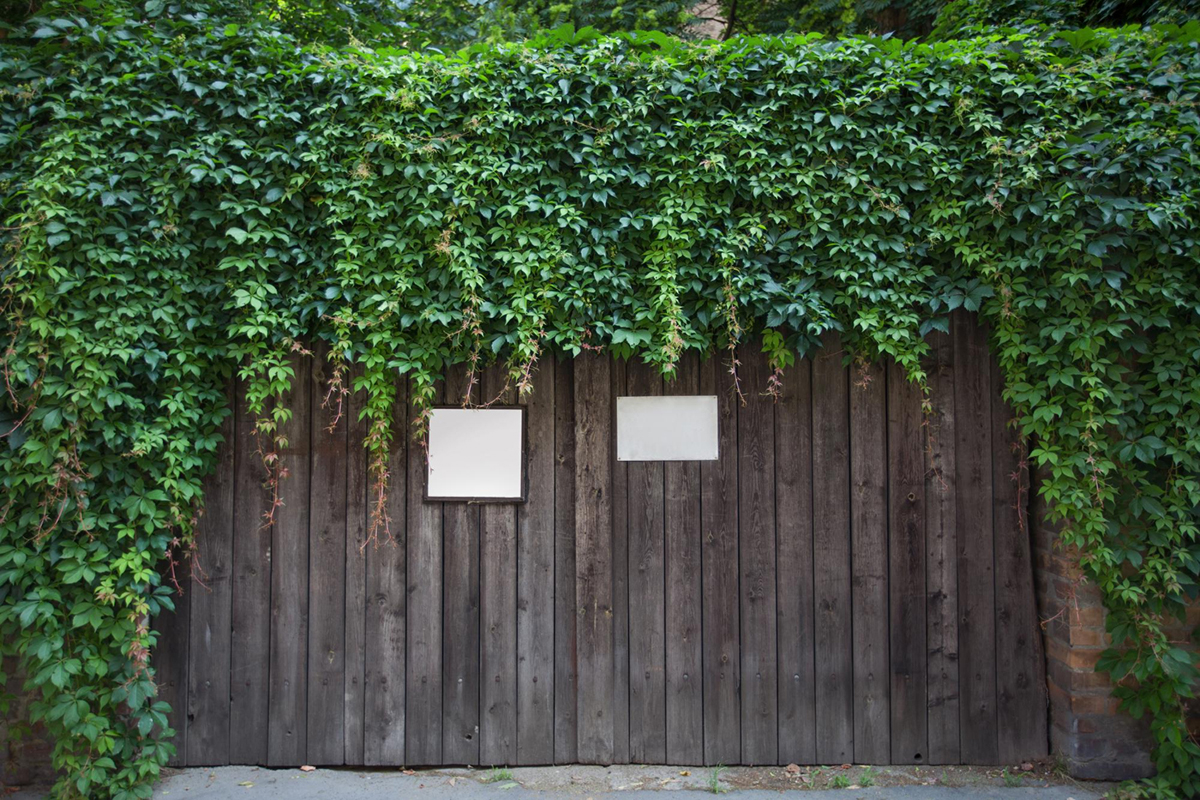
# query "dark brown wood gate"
(845, 584)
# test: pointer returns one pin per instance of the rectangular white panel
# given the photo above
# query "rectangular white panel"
(476, 454)
(667, 428)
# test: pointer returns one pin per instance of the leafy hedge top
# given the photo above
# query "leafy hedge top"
(186, 198)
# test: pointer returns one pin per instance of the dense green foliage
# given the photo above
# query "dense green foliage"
(967, 17)
(186, 198)
(448, 25)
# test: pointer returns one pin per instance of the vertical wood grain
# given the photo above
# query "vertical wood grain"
(327, 574)
(831, 556)
(976, 574)
(498, 613)
(387, 596)
(423, 688)
(211, 611)
(357, 510)
(941, 574)
(250, 659)
(460, 686)
(620, 572)
(794, 548)
(684, 658)
(906, 584)
(594, 557)
(1020, 663)
(647, 598)
(566, 725)
(287, 737)
(756, 559)
(535, 580)
(719, 547)
(170, 661)
(869, 563)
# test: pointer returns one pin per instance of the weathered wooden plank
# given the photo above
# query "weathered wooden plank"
(170, 659)
(386, 617)
(1020, 664)
(976, 578)
(594, 557)
(647, 598)
(620, 575)
(423, 684)
(357, 510)
(535, 580)
(794, 548)
(566, 728)
(869, 563)
(460, 688)
(719, 532)
(684, 658)
(211, 611)
(906, 573)
(831, 556)
(250, 660)
(756, 559)
(288, 712)
(941, 575)
(498, 613)
(327, 572)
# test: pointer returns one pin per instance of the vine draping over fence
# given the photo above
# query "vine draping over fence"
(187, 198)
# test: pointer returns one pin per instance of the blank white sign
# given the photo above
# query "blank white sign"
(476, 454)
(667, 428)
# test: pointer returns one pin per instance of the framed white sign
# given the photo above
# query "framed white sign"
(667, 428)
(476, 454)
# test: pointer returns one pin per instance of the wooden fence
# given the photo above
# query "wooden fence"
(846, 584)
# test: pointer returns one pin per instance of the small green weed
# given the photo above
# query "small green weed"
(840, 782)
(1011, 780)
(714, 779)
(867, 779)
(497, 774)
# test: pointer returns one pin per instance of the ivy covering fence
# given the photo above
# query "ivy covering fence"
(186, 199)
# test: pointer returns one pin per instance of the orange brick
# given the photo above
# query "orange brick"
(1100, 704)
(1089, 637)
(1091, 616)
(1083, 657)
(1057, 650)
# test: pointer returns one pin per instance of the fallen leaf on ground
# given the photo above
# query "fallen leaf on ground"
(308, 768)
(793, 769)
(1027, 767)
(685, 772)
(247, 784)
(408, 772)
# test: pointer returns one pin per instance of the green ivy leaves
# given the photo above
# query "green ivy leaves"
(188, 198)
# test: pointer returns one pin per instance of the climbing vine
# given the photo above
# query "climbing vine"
(186, 199)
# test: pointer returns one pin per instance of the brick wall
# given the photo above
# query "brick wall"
(25, 750)
(1090, 734)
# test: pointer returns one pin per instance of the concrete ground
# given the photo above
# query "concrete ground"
(1037, 782)
(617, 783)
